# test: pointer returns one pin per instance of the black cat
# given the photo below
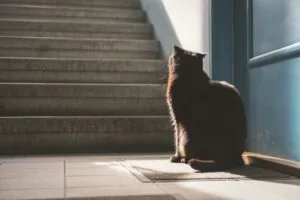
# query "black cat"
(208, 116)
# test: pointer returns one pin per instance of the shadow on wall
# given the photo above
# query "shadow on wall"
(164, 30)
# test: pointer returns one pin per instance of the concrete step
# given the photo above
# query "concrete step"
(52, 134)
(78, 3)
(82, 71)
(38, 99)
(74, 29)
(73, 13)
(77, 48)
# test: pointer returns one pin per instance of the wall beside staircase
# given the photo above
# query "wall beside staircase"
(185, 23)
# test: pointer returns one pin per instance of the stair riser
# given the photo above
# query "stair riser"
(92, 21)
(85, 134)
(81, 91)
(85, 107)
(38, 47)
(78, 3)
(81, 77)
(23, 126)
(78, 34)
(76, 65)
(73, 26)
(82, 71)
(29, 12)
(12, 52)
(45, 45)
(87, 143)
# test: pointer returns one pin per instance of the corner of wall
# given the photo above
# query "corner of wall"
(184, 23)
(162, 26)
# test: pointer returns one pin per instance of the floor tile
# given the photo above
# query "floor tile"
(44, 182)
(100, 181)
(32, 194)
(5, 159)
(233, 190)
(188, 193)
(42, 158)
(99, 170)
(22, 173)
(89, 164)
(114, 191)
(281, 189)
(32, 165)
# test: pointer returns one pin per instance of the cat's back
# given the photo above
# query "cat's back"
(222, 91)
(219, 100)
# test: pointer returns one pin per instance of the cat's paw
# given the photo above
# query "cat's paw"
(185, 160)
(176, 159)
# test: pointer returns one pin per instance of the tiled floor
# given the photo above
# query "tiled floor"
(61, 177)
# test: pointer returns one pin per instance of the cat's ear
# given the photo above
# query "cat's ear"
(177, 49)
(202, 55)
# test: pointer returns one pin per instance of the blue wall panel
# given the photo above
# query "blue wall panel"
(274, 109)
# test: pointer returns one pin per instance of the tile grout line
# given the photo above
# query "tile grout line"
(65, 181)
(177, 196)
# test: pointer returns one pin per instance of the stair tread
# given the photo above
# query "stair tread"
(81, 71)
(84, 84)
(86, 3)
(76, 21)
(72, 8)
(78, 39)
(83, 59)
(78, 47)
(84, 117)
(75, 28)
(77, 64)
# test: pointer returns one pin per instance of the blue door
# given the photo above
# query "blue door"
(266, 61)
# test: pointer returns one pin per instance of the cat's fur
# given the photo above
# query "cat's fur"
(208, 116)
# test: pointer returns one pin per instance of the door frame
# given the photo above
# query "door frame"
(222, 40)
(230, 42)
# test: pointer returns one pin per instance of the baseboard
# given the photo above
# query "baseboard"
(277, 164)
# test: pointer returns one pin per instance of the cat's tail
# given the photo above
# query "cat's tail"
(215, 165)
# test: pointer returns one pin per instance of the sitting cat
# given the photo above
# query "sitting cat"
(208, 116)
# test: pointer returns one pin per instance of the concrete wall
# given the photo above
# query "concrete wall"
(185, 23)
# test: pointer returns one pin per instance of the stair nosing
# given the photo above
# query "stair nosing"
(78, 39)
(132, 5)
(81, 84)
(73, 7)
(85, 116)
(83, 59)
(78, 22)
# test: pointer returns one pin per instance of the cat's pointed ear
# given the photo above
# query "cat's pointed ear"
(177, 49)
(202, 55)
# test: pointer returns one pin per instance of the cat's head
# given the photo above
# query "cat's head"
(183, 61)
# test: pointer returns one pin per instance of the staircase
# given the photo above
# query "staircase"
(80, 76)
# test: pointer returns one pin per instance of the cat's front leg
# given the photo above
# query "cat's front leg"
(176, 157)
(173, 109)
(180, 155)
